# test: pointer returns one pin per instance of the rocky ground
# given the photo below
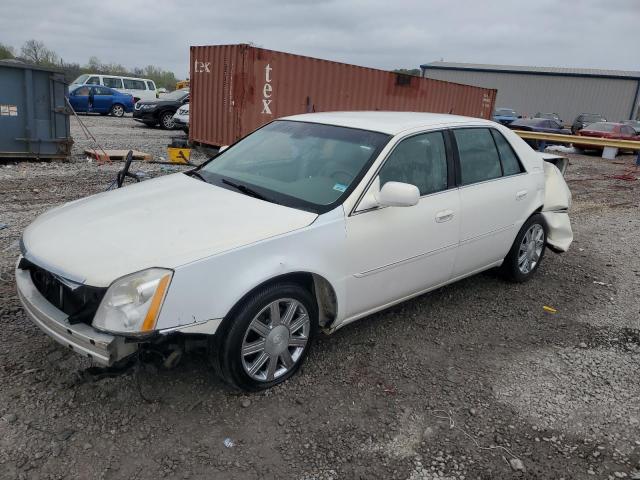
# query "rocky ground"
(473, 381)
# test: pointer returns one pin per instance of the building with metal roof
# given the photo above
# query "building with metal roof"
(565, 91)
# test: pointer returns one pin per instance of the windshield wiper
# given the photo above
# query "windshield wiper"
(246, 190)
(195, 173)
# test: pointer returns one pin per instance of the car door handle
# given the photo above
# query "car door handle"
(444, 216)
(521, 194)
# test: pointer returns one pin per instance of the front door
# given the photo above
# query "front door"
(394, 252)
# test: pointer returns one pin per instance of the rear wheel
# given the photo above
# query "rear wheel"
(527, 251)
(166, 121)
(267, 338)
(117, 110)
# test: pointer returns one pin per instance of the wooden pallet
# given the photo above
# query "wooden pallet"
(116, 155)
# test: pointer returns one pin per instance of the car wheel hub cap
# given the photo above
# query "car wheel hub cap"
(275, 339)
(530, 248)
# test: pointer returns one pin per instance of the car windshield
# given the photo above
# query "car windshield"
(506, 111)
(602, 127)
(176, 95)
(298, 164)
(81, 79)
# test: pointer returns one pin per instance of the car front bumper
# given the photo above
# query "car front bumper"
(144, 116)
(105, 349)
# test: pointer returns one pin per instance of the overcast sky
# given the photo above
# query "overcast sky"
(378, 33)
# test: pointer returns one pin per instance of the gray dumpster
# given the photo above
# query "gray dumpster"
(34, 120)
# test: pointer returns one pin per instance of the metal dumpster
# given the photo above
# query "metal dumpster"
(34, 120)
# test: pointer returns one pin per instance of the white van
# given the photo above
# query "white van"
(140, 88)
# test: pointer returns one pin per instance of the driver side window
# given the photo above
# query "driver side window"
(420, 160)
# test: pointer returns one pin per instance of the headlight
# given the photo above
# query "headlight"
(132, 303)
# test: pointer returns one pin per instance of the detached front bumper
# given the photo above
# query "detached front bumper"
(105, 349)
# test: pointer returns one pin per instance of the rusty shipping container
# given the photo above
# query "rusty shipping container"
(238, 88)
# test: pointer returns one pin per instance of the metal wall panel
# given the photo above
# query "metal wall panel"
(237, 88)
(565, 95)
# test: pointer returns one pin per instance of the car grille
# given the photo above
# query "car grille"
(79, 302)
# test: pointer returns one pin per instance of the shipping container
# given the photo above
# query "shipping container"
(34, 119)
(237, 88)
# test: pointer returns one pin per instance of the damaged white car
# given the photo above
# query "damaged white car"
(311, 222)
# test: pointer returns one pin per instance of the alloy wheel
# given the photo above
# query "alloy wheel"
(167, 121)
(117, 111)
(530, 248)
(275, 339)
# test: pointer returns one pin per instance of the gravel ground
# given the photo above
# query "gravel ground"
(473, 381)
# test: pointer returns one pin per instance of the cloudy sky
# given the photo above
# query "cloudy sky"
(379, 33)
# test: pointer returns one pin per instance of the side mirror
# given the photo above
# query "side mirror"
(397, 194)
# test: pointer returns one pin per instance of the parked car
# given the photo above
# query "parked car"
(610, 130)
(161, 110)
(139, 88)
(539, 125)
(549, 116)
(505, 115)
(102, 100)
(635, 124)
(585, 119)
(181, 118)
(312, 221)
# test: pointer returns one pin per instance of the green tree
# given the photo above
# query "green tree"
(6, 51)
(413, 71)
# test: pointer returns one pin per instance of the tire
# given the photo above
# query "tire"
(117, 110)
(527, 250)
(250, 353)
(166, 121)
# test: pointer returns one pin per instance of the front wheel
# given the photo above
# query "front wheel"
(527, 251)
(117, 110)
(166, 121)
(267, 338)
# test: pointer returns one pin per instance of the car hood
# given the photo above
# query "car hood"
(164, 222)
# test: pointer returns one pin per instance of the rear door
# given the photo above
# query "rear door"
(102, 99)
(494, 193)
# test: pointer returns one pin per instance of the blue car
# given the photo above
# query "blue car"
(505, 115)
(102, 100)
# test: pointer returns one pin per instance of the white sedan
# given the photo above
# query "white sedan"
(311, 222)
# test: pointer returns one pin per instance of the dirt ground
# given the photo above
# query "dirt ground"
(473, 381)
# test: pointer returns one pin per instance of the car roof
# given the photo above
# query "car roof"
(387, 122)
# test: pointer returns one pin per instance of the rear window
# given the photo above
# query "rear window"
(131, 84)
(510, 163)
(93, 81)
(112, 82)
